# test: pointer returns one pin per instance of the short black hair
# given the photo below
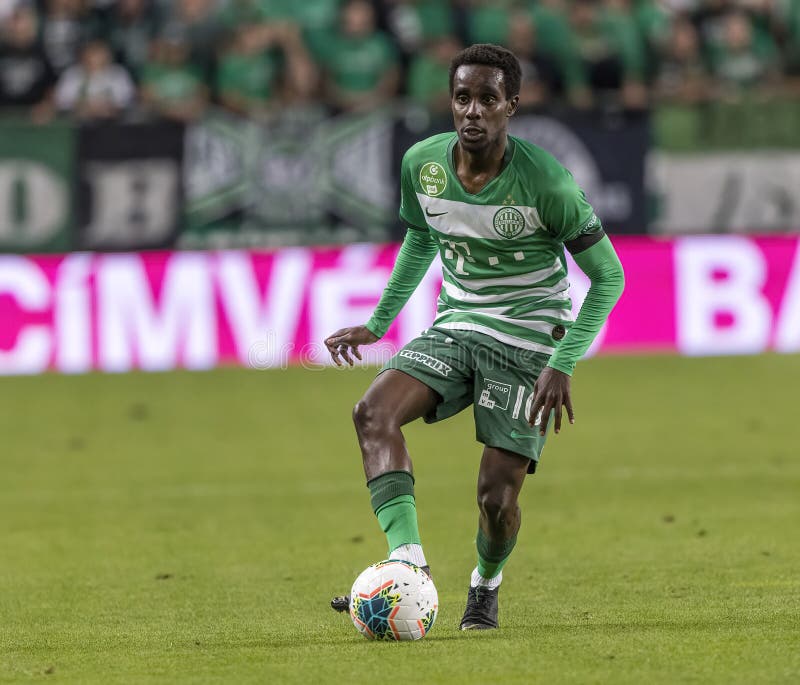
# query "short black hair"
(492, 56)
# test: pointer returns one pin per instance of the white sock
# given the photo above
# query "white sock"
(412, 553)
(478, 580)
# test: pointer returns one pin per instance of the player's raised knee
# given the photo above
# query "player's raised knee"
(490, 505)
(366, 416)
(497, 510)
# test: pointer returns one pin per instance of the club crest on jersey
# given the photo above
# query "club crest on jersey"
(508, 222)
(432, 178)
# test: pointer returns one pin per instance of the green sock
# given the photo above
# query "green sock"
(492, 556)
(392, 496)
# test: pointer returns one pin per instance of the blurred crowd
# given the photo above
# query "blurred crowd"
(99, 59)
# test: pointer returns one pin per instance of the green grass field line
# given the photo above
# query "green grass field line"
(192, 528)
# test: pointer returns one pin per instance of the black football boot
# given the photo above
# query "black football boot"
(481, 611)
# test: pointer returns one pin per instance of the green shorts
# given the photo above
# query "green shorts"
(468, 368)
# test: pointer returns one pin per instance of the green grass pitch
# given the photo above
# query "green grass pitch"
(192, 528)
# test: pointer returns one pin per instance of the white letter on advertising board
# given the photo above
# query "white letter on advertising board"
(263, 328)
(72, 315)
(23, 280)
(134, 328)
(787, 337)
(346, 296)
(721, 309)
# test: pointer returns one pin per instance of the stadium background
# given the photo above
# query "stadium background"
(197, 184)
(142, 125)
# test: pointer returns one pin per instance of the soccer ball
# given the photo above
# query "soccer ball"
(393, 600)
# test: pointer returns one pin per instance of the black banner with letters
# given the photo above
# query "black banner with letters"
(228, 182)
(130, 186)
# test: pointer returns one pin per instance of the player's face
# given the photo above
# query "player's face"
(480, 107)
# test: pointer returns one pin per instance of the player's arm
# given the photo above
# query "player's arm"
(596, 257)
(570, 219)
(415, 256)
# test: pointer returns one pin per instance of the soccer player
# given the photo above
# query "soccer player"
(499, 211)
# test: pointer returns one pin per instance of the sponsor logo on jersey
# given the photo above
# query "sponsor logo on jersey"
(508, 222)
(431, 214)
(431, 362)
(432, 178)
(495, 395)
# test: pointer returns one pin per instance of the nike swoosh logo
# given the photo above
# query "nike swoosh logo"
(432, 214)
(516, 435)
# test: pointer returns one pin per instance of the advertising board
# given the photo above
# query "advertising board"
(198, 310)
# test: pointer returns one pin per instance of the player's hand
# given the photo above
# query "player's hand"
(551, 392)
(346, 341)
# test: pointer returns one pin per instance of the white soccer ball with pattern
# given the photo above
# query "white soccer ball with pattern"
(393, 600)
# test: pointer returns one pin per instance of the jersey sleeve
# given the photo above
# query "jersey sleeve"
(601, 264)
(564, 210)
(410, 210)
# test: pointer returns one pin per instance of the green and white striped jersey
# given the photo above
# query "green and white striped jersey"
(502, 249)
